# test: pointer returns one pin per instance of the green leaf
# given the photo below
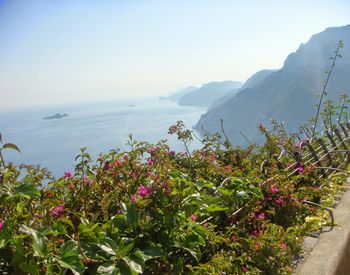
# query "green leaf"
(27, 190)
(126, 249)
(69, 266)
(134, 266)
(88, 230)
(124, 269)
(108, 268)
(151, 253)
(201, 183)
(242, 194)
(55, 229)
(69, 257)
(19, 254)
(11, 146)
(106, 249)
(226, 191)
(67, 221)
(39, 240)
(30, 267)
(132, 214)
(19, 207)
(195, 252)
(216, 208)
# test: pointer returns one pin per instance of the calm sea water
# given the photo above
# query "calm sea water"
(101, 127)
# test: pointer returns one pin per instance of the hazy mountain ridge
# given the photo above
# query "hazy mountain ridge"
(208, 93)
(289, 94)
(175, 96)
(252, 81)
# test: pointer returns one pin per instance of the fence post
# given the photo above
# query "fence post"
(325, 150)
(329, 136)
(344, 130)
(315, 157)
(343, 145)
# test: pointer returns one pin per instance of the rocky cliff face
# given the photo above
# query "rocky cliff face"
(289, 94)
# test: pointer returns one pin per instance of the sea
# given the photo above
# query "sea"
(103, 126)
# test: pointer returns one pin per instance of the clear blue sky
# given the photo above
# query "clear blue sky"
(70, 50)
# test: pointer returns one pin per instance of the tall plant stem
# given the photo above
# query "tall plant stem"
(2, 160)
(343, 98)
(336, 54)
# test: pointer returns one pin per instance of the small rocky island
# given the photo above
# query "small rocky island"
(56, 116)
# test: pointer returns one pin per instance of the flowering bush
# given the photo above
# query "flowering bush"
(154, 211)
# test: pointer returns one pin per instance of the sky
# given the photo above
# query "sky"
(62, 51)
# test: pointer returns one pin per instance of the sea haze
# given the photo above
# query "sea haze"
(101, 127)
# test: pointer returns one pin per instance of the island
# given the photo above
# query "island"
(56, 116)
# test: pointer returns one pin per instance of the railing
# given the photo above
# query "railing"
(328, 153)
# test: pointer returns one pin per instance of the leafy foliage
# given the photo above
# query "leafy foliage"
(150, 210)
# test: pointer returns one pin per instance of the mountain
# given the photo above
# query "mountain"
(289, 94)
(224, 98)
(175, 96)
(252, 81)
(208, 93)
(257, 78)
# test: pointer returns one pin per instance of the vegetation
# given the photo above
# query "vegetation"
(153, 211)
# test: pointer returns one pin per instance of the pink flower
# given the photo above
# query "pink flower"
(56, 211)
(279, 200)
(143, 191)
(311, 167)
(290, 165)
(228, 169)
(301, 170)
(132, 175)
(273, 189)
(268, 197)
(213, 158)
(302, 143)
(233, 238)
(262, 127)
(1, 224)
(126, 157)
(244, 269)
(87, 181)
(255, 233)
(133, 198)
(118, 162)
(150, 161)
(171, 153)
(261, 216)
(67, 174)
(193, 217)
(283, 245)
(151, 150)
